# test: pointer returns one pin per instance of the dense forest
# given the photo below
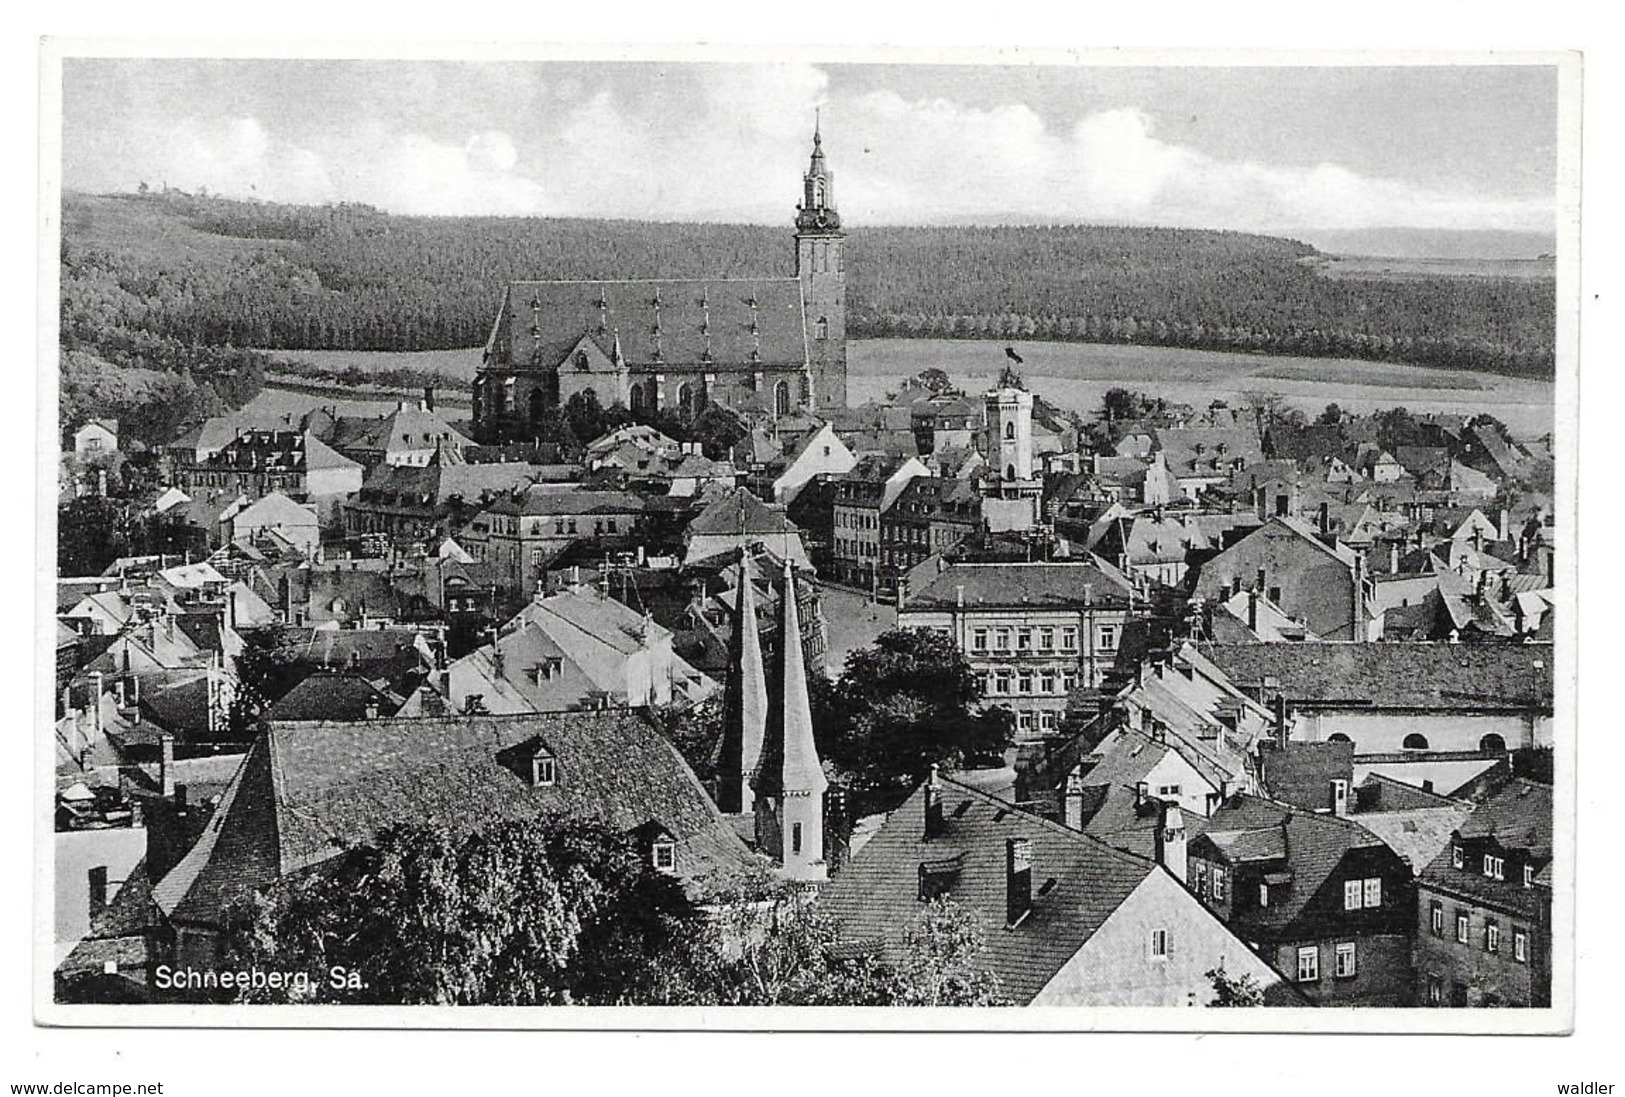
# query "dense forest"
(168, 280)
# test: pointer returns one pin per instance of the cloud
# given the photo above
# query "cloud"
(718, 142)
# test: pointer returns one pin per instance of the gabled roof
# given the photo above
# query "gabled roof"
(1308, 845)
(1078, 882)
(1301, 774)
(737, 322)
(306, 790)
(332, 697)
(737, 512)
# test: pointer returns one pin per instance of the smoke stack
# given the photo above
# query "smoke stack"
(428, 397)
(1252, 610)
(933, 806)
(1170, 841)
(166, 765)
(1018, 880)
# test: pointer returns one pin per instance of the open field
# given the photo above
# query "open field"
(1387, 267)
(1077, 375)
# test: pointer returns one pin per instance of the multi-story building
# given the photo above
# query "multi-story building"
(1033, 631)
(521, 534)
(1484, 906)
(1320, 898)
(257, 462)
(930, 516)
(862, 496)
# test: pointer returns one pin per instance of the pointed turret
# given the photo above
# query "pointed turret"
(744, 702)
(790, 781)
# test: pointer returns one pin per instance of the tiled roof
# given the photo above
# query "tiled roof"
(1416, 834)
(1301, 774)
(330, 697)
(738, 511)
(1428, 676)
(305, 790)
(722, 322)
(547, 500)
(1078, 882)
(1021, 585)
(1249, 828)
(1518, 815)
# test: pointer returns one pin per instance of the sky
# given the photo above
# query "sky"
(1272, 149)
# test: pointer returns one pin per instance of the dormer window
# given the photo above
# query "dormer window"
(1529, 876)
(1494, 867)
(544, 769)
(1457, 860)
(664, 855)
(581, 360)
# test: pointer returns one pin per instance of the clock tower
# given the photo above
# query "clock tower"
(823, 282)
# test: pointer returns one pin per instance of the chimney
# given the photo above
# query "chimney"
(1170, 840)
(1393, 557)
(1072, 801)
(1259, 585)
(959, 595)
(1325, 518)
(166, 765)
(98, 890)
(1279, 706)
(428, 397)
(1358, 625)
(933, 806)
(1339, 797)
(1018, 881)
(1252, 610)
(180, 796)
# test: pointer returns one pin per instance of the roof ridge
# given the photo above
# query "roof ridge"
(1049, 824)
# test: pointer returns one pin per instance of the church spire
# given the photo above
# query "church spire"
(744, 701)
(817, 210)
(790, 781)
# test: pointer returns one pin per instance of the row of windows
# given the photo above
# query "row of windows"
(1494, 868)
(849, 520)
(846, 547)
(1344, 962)
(1489, 939)
(1033, 682)
(1041, 639)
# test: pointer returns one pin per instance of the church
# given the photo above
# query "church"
(770, 346)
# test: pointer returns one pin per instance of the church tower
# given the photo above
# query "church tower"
(790, 782)
(823, 281)
(744, 702)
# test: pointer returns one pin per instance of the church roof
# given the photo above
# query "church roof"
(717, 323)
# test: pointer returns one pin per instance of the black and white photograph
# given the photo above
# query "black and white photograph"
(679, 537)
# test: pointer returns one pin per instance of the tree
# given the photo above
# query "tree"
(943, 945)
(90, 535)
(935, 379)
(1234, 991)
(776, 948)
(1331, 416)
(909, 701)
(529, 912)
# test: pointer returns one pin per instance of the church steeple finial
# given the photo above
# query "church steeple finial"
(817, 210)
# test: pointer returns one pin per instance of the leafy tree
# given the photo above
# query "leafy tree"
(1234, 991)
(903, 704)
(935, 379)
(1331, 416)
(90, 535)
(775, 947)
(520, 913)
(940, 968)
